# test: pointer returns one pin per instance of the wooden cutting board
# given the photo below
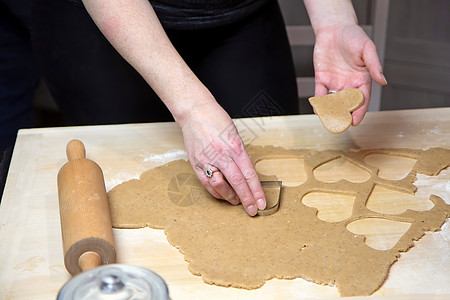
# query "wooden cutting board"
(31, 258)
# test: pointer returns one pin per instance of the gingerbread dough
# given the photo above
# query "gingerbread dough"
(334, 110)
(228, 248)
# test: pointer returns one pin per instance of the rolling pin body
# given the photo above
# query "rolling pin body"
(84, 211)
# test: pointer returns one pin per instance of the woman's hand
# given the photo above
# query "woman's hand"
(213, 143)
(211, 139)
(345, 57)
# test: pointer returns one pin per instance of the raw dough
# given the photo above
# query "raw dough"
(334, 110)
(228, 248)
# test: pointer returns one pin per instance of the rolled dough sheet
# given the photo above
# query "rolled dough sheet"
(226, 247)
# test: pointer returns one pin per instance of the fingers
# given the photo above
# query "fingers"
(205, 182)
(218, 183)
(320, 89)
(234, 185)
(247, 169)
(358, 115)
(372, 62)
(244, 180)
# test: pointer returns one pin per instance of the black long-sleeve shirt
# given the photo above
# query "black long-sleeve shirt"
(196, 14)
(200, 14)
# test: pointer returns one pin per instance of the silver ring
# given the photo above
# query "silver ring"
(331, 92)
(209, 173)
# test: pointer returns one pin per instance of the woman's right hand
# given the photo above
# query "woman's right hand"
(210, 136)
(213, 142)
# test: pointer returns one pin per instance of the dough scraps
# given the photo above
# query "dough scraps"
(334, 110)
(226, 247)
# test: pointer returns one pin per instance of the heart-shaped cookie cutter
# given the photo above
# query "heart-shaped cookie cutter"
(273, 208)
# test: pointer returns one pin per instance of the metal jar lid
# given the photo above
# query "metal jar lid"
(116, 282)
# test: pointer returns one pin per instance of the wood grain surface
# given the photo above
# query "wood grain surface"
(31, 253)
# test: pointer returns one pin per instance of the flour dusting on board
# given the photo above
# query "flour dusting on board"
(146, 161)
(165, 157)
(442, 233)
(434, 185)
(435, 131)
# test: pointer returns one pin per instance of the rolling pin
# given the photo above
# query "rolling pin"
(86, 225)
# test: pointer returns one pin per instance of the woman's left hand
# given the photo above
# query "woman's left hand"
(345, 57)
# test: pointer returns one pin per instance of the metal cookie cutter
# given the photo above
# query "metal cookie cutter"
(272, 190)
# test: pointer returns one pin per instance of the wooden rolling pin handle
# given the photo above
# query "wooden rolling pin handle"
(89, 260)
(75, 150)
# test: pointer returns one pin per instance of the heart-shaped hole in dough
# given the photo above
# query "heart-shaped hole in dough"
(391, 167)
(338, 169)
(289, 170)
(381, 234)
(387, 201)
(332, 207)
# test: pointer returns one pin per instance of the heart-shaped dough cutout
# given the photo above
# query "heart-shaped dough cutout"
(334, 110)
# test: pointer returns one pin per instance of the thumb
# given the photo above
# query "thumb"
(372, 62)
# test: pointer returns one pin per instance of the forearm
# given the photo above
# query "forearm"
(330, 13)
(134, 30)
